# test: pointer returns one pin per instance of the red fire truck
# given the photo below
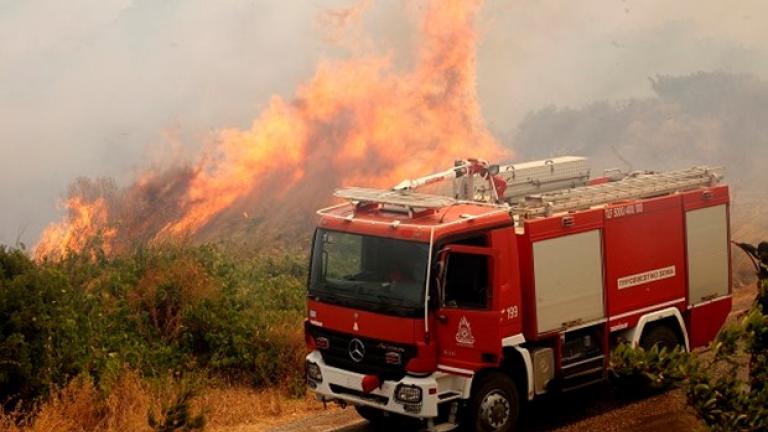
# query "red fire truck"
(456, 308)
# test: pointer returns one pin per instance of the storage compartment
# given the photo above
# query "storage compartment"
(568, 274)
(645, 254)
(707, 239)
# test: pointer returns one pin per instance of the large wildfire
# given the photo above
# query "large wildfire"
(356, 121)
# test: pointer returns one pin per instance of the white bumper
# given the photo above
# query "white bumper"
(436, 388)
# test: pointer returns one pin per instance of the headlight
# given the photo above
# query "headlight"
(313, 372)
(408, 394)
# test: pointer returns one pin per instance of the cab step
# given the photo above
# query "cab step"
(582, 385)
(583, 373)
(448, 425)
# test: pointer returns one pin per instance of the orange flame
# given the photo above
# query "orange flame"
(84, 222)
(357, 121)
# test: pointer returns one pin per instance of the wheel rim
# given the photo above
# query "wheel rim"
(495, 410)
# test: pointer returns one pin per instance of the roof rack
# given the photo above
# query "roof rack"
(634, 186)
(406, 199)
(570, 172)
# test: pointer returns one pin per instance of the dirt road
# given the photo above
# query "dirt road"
(601, 408)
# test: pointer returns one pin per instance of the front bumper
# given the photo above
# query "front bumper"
(345, 385)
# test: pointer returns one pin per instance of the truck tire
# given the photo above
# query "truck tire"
(639, 385)
(494, 404)
(661, 335)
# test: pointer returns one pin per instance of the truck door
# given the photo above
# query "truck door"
(467, 325)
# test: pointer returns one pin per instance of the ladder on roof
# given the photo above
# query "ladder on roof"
(407, 199)
(635, 186)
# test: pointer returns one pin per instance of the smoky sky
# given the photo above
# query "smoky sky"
(107, 87)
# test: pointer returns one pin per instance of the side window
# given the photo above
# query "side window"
(466, 282)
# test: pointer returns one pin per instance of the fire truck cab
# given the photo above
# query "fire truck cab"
(456, 309)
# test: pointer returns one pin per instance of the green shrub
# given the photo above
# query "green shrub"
(175, 308)
(717, 391)
(726, 385)
(43, 332)
(655, 369)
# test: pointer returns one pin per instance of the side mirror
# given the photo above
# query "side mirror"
(493, 169)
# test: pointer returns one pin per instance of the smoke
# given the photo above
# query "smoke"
(542, 53)
(717, 119)
(356, 121)
(102, 87)
(93, 87)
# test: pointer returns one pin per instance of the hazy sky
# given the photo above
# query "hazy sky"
(104, 87)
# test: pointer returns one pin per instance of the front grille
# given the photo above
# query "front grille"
(374, 362)
(382, 400)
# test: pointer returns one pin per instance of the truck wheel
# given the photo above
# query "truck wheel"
(660, 335)
(494, 405)
(639, 385)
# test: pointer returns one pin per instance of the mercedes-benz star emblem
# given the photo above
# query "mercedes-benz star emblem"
(356, 350)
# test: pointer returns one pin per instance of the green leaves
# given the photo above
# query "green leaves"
(654, 369)
(727, 385)
(158, 309)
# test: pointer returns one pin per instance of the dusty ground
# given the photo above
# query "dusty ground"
(601, 408)
(240, 409)
(598, 410)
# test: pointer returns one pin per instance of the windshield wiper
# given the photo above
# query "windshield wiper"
(399, 301)
(344, 285)
(371, 301)
(336, 298)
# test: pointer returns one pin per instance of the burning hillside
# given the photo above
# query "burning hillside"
(356, 121)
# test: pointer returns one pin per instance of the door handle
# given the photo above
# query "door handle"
(442, 318)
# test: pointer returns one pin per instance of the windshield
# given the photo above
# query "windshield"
(374, 273)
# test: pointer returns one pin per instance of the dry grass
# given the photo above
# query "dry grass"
(81, 407)
(232, 408)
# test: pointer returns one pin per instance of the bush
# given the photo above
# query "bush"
(726, 385)
(656, 369)
(170, 308)
(717, 391)
(43, 327)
